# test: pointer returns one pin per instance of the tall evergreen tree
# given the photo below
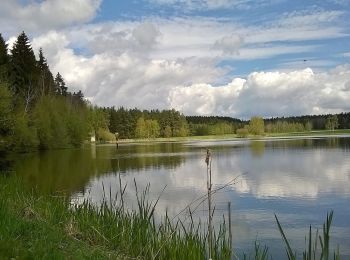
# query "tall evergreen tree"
(4, 60)
(46, 80)
(24, 70)
(61, 88)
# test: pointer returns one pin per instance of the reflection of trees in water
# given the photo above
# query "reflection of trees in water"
(71, 170)
(257, 148)
(138, 157)
(310, 143)
(62, 170)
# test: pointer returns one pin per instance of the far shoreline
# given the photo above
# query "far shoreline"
(234, 137)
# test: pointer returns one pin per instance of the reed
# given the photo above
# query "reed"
(36, 226)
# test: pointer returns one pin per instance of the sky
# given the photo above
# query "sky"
(237, 58)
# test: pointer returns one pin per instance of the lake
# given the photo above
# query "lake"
(299, 180)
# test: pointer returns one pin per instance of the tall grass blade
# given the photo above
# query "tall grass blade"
(290, 254)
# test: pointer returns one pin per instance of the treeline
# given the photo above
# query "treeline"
(213, 125)
(135, 123)
(38, 112)
(317, 122)
(36, 109)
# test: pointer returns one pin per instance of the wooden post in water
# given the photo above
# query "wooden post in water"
(209, 187)
(117, 139)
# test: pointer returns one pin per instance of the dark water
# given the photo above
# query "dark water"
(300, 180)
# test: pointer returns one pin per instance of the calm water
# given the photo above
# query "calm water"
(299, 180)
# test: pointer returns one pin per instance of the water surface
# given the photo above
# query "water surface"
(300, 180)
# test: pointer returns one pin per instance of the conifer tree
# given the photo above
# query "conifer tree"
(46, 80)
(61, 88)
(4, 59)
(24, 70)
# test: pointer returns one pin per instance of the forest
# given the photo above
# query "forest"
(37, 111)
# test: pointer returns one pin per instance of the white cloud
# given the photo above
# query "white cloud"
(163, 63)
(191, 5)
(45, 15)
(268, 94)
(229, 44)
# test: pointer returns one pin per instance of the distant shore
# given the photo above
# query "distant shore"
(306, 134)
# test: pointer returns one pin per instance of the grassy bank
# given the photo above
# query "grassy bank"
(33, 226)
(311, 133)
(315, 133)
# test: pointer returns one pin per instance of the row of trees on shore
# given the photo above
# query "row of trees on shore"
(37, 111)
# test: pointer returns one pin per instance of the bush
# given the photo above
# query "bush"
(242, 132)
(105, 136)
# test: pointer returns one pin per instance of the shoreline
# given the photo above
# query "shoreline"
(233, 137)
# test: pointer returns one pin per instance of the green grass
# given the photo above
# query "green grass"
(311, 133)
(234, 136)
(35, 226)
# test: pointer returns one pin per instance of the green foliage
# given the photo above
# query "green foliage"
(37, 111)
(48, 227)
(46, 81)
(50, 115)
(105, 136)
(140, 130)
(5, 109)
(221, 128)
(24, 71)
(24, 137)
(78, 127)
(60, 85)
(4, 61)
(167, 132)
(127, 123)
(256, 126)
(312, 252)
(6, 116)
(98, 119)
(287, 127)
(212, 125)
(242, 132)
(308, 126)
(147, 128)
(153, 129)
(332, 122)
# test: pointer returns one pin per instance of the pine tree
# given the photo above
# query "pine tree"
(24, 71)
(4, 60)
(46, 80)
(61, 88)
(78, 98)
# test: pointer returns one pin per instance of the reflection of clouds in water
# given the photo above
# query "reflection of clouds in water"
(297, 173)
(277, 172)
(288, 178)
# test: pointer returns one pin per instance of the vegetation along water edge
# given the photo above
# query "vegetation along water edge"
(37, 226)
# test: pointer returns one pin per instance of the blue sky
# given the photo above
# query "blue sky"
(225, 57)
(327, 52)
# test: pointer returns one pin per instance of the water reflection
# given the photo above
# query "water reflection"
(71, 170)
(298, 179)
(257, 148)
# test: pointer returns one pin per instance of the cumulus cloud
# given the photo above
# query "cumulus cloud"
(127, 78)
(173, 63)
(269, 94)
(45, 15)
(137, 64)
